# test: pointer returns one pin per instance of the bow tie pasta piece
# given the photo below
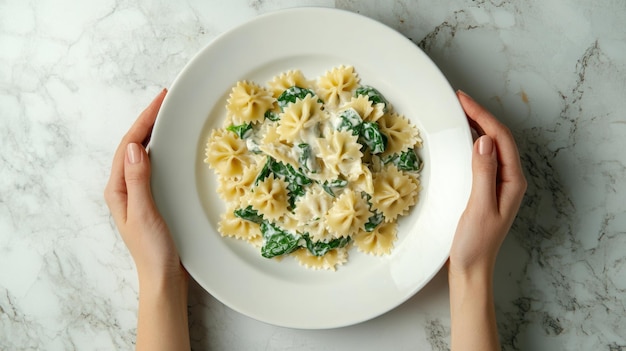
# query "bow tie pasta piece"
(286, 80)
(401, 135)
(369, 112)
(301, 119)
(379, 241)
(310, 213)
(226, 153)
(269, 197)
(236, 227)
(248, 103)
(280, 150)
(337, 86)
(340, 153)
(234, 189)
(347, 215)
(394, 193)
(330, 260)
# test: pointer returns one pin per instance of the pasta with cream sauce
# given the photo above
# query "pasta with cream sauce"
(309, 168)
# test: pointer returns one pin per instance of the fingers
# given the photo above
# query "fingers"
(115, 191)
(137, 178)
(142, 128)
(507, 149)
(484, 172)
(512, 181)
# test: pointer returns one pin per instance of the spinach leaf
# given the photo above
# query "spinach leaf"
(265, 172)
(269, 114)
(276, 241)
(372, 137)
(320, 248)
(350, 120)
(290, 174)
(374, 220)
(291, 95)
(249, 214)
(242, 130)
(373, 95)
(406, 161)
(296, 180)
(337, 183)
(306, 158)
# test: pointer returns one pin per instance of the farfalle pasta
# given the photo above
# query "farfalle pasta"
(310, 213)
(227, 153)
(309, 168)
(247, 103)
(340, 152)
(337, 86)
(286, 80)
(299, 118)
(379, 241)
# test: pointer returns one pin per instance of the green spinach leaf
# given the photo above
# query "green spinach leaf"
(373, 222)
(320, 248)
(249, 214)
(406, 161)
(373, 95)
(296, 179)
(265, 172)
(269, 114)
(306, 158)
(335, 184)
(372, 137)
(277, 242)
(350, 120)
(242, 130)
(291, 95)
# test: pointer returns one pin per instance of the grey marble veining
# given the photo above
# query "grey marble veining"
(74, 75)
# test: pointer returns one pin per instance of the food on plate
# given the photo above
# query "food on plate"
(309, 168)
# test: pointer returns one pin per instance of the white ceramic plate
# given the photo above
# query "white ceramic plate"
(283, 293)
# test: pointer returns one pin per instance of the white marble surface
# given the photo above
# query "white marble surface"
(74, 75)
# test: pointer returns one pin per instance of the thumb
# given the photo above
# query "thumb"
(137, 176)
(484, 171)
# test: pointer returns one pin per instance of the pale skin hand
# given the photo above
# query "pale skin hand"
(497, 191)
(163, 282)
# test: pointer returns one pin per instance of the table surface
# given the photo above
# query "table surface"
(75, 74)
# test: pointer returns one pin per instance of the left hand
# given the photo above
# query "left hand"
(129, 198)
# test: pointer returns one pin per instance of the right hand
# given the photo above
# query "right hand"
(498, 188)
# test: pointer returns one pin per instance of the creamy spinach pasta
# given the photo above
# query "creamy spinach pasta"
(309, 168)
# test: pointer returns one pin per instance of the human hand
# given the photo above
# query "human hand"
(130, 201)
(498, 187)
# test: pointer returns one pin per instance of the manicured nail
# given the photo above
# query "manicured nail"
(461, 92)
(485, 145)
(133, 153)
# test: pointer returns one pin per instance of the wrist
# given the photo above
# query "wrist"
(472, 309)
(472, 275)
(162, 317)
(169, 281)
(463, 265)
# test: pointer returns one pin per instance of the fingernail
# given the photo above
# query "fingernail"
(133, 153)
(461, 92)
(485, 145)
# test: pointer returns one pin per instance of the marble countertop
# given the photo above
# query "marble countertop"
(75, 74)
